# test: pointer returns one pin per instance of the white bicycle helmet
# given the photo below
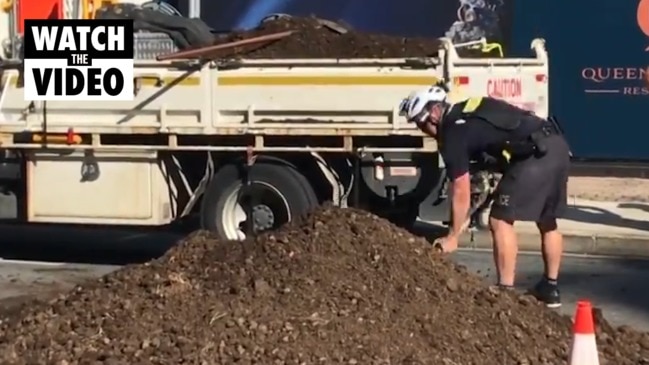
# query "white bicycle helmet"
(415, 107)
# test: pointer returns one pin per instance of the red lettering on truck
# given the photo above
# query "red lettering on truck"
(505, 88)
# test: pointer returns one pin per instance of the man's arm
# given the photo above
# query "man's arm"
(456, 154)
(460, 203)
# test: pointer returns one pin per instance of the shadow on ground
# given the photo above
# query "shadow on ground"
(596, 215)
(92, 245)
(616, 285)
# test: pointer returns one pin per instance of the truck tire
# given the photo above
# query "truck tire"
(281, 193)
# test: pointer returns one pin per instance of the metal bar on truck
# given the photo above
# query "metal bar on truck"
(538, 45)
(335, 62)
(198, 52)
(109, 148)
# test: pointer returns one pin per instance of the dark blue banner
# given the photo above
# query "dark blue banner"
(598, 61)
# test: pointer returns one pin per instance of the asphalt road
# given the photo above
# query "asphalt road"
(619, 287)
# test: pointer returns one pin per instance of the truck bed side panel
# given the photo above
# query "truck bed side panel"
(361, 95)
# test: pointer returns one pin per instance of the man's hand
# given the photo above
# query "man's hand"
(447, 244)
(460, 205)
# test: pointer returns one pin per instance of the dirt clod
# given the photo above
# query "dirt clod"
(340, 287)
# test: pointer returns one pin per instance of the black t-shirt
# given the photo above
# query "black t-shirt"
(467, 139)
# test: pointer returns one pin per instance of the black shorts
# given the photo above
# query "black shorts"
(535, 189)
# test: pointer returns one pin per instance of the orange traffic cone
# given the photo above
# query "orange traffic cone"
(584, 346)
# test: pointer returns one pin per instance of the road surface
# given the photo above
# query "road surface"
(619, 287)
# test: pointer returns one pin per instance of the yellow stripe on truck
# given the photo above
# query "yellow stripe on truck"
(324, 80)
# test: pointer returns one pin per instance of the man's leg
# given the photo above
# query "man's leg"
(501, 225)
(552, 246)
(558, 168)
(505, 250)
(520, 196)
(547, 289)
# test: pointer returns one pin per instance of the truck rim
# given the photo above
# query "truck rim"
(270, 210)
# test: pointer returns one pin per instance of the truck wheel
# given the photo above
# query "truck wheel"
(278, 194)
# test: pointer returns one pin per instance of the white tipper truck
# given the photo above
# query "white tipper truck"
(245, 144)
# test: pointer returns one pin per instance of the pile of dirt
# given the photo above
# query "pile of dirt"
(342, 287)
(315, 39)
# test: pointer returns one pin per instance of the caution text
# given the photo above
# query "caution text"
(505, 88)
